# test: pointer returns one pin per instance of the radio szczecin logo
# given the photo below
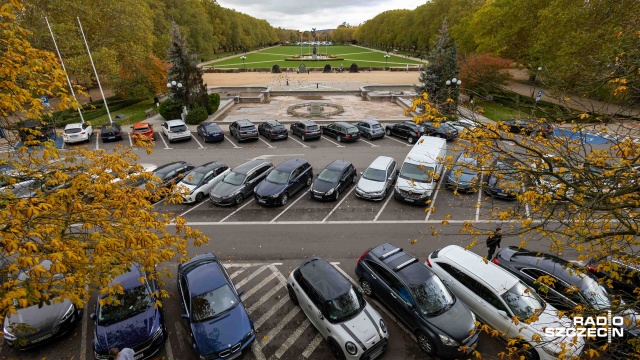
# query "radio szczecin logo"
(591, 327)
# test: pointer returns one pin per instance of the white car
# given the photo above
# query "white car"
(353, 329)
(77, 132)
(379, 177)
(199, 181)
(463, 125)
(176, 130)
(496, 297)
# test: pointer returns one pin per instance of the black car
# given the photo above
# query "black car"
(210, 132)
(306, 129)
(527, 127)
(444, 130)
(273, 130)
(243, 130)
(371, 129)
(111, 132)
(405, 130)
(418, 298)
(341, 131)
(627, 269)
(284, 181)
(503, 182)
(35, 130)
(240, 183)
(333, 180)
(172, 172)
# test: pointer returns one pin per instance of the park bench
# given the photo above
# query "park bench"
(150, 112)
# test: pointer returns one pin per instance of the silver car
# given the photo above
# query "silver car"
(353, 329)
(377, 179)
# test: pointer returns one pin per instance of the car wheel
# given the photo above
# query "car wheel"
(530, 353)
(239, 199)
(339, 138)
(292, 295)
(199, 197)
(270, 138)
(336, 350)
(388, 132)
(284, 199)
(369, 137)
(309, 180)
(337, 195)
(425, 342)
(304, 138)
(410, 140)
(366, 287)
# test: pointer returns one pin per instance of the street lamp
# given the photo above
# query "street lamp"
(386, 60)
(450, 85)
(174, 86)
(533, 92)
(243, 65)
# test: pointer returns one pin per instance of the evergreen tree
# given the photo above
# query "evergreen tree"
(183, 69)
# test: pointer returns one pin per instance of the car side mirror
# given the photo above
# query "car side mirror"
(92, 316)
(360, 172)
(409, 305)
(185, 316)
(240, 292)
(503, 313)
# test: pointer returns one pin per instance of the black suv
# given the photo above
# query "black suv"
(445, 131)
(306, 129)
(341, 131)
(416, 296)
(405, 130)
(283, 182)
(272, 130)
(243, 130)
(626, 266)
(240, 183)
(35, 130)
(503, 181)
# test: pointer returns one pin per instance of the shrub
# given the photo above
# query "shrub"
(327, 68)
(170, 110)
(214, 103)
(275, 69)
(353, 68)
(302, 68)
(196, 115)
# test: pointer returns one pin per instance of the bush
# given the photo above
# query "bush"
(327, 69)
(275, 69)
(214, 103)
(302, 68)
(353, 68)
(170, 110)
(196, 115)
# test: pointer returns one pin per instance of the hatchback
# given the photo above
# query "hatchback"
(416, 296)
(371, 129)
(35, 130)
(172, 172)
(240, 183)
(284, 181)
(142, 131)
(176, 130)
(273, 130)
(464, 175)
(341, 131)
(353, 329)
(77, 132)
(111, 132)
(198, 182)
(243, 130)
(210, 132)
(503, 182)
(306, 129)
(379, 177)
(134, 323)
(333, 180)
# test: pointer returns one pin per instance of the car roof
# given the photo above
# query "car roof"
(463, 158)
(343, 123)
(369, 121)
(175, 122)
(244, 122)
(204, 273)
(130, 279)
(73, 126)
(141, 125)
(489, 273)
(338, 165)
(248, 166)
(273, 122)
(381, 162)
(325, 278)
(170, 166)
(208, 166)
(405, 265)
(308, 122)
(291, 164)
(552, 264)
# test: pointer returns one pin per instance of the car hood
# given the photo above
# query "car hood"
(370, 185)
(266, 188)
(549, 319)
(129, 332)
(40, 318)
(457, 322)
(365, 328)
(215, 335)
(186, 186)
(323, 186)
(225, 189)
(419, 187)
(463, 178)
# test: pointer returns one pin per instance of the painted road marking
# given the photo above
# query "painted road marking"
(288, 207)
(303, 145)
(364, 141)
(291, 339)
(238, 209)
(389, 196)
(312, 346)
(278, 328)
(334, 143)
(232, 143)
(269, 145)
(260, 285)
(253, 274)
(338, 205)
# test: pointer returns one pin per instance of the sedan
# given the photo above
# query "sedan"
(333, 180)
(210, 132)
(198, 182)
(527, 127)
(503, 182)
(379, 177)
(443, 130)
(463, 177)
(371, 129)
(134, 323)
(341, 131)
(111, 131)
(142, 131)
(284, 181)
(273, 130)
(217, 321)
(77, 132)
(463, 125)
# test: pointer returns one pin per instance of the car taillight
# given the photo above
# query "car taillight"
(347, 136)
(362, 256)
(418, 133)
(428, 262)
(117, 132)
(82, 133)
(591, 268)
(495, 260)
(307, 131)
(270, 131)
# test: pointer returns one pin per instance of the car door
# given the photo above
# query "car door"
(391, 174)
(233, 129)
(558, 294)
(207, 182)
(295, 180)
(294, 128)
(218, 175)
(363, 127)
(396, 295)
(400, 130)
(344, 179)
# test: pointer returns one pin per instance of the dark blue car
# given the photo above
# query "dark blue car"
(217, 320)
(134, 323)
(283, 182)
(210, 132)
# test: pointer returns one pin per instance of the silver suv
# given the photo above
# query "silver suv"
(379, 177)
(353, 329)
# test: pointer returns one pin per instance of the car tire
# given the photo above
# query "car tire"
(292, 295)
(284, 199)
(238, 199)
(410, 140)
(388, 132)
(336, 350)
(366, 287)
(304, 138)
(270, 138)
(339, 138)
(309, 181)
(425, 343)
(355, 179)
(369, 137)
(199, 197)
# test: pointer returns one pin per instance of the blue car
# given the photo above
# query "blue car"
(135, 323)
(283, 182)
(217, 320)
(210, 132)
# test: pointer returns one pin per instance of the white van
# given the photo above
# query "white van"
(421, 170)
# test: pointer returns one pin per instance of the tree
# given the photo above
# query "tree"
(183, 69)
(483, 74)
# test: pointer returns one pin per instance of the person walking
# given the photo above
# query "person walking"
(493, 242)
(124, 354)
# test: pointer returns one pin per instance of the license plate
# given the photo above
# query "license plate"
(317, 196)
(111, 137)
(139, 356)
(262, 201)
(41, 338)
(409, 200)
(73, 136)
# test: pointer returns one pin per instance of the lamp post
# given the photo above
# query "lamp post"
(533, 92)
(175, 87)
(386, 61)
(451, 84)
(243, 65)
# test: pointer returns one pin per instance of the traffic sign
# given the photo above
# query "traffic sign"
(539, 95)
(45, 101)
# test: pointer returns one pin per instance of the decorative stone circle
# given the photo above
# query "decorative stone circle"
(315, 110)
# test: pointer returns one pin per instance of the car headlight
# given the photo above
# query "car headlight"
(157, 333)
(9, 335)
(448, 341)
(329, 192)
(351, 348)
(249, 335)
(68, 313)
(383, 326)
(274, 196)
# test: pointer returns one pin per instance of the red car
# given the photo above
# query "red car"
(142, 130)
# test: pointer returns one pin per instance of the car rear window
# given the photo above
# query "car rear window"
(142, 129)
(376, 126)
(247, 128)
(109, 128)
(352, 131)
(312, 127)
(178, 128)
(278, 127)
(72, 131)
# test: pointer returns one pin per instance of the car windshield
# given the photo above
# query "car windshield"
(523, 301)
(596, 295)
(328, 175)
(278, 177)
(141, 129)
(374, 174)
(278, 127)
(464, 170)
(72, 131)
(345, 306)
(212, 127)
(234, 178)
(352, 130)
(193, 178)
(132, 302)
(432, 297)
(178, 128)
(212, 303)
(417, 172)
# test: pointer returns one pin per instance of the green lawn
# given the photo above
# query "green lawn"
(268, 57)
(133, 114)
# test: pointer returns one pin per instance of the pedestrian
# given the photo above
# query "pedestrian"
(124, 354)
(493, 242)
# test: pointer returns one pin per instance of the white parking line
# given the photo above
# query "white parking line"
(383, 206)
(291, 339)
(232, 143)
(338, 205)
(271, 311)
(312, 346)
(250, 264)
(261, 284)
(269, 145)
(167, 349)
(291, 137)
(194, 138)
(288, 207)
(264, 298)
(130, 140)
(180, 334)
(165, 143)
(278, 328)
(364, 141)
(238, 209)
(236, 273)
(396, 140)
(358, 222)
(479, 203)
(334, 143)
(257, 351)
(433, 200)
(193, 208)
(97, 140)
(251, 276)
(83, 343)
(527, 211)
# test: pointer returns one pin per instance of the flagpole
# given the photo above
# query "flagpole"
(95, 72)
(65, 70)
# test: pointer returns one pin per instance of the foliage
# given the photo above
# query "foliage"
(214, 103)
(170, 109)
(141, 80)
(276, 69)
(353, 68)
(483, 74)
(196, 115)
(327, 69)
(183, 70)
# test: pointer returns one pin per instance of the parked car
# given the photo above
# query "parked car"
(419, 299)
(442, 130)
(175, 130)
(199, 181)
(210, 132)
(243, 130)
(497, 297)
(77, 132)
(306, 129)
(134, 323)
(463, 125)
(240, 183)
(36, 324)
(503, 182)
(23, 189)
(353, 329)
(216, 319)
(172, 172)
(272, 130)
(527, 127)
(627, 280)
(36, 130)
(142, 131)
(111, 131)
(284, 181)
(405, 130)
(464, 175)
(333, 180)
(551, 176)
(379, 177)
(371, 129)
(341, 131)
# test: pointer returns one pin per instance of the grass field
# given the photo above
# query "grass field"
(132, 114)
(268, 57)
